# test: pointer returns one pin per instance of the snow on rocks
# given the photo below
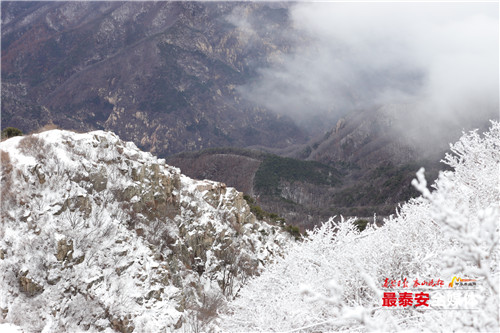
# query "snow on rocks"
(98, 235)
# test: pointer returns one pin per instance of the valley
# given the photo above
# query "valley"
(176, 78)
(228, 166)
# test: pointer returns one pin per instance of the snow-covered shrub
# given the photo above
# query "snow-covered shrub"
(333, 279)
(97, 235)
(34, 145)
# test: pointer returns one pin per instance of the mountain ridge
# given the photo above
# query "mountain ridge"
(87, 216)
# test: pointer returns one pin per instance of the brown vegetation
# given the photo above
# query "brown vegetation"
(6, 177)
(34, 146)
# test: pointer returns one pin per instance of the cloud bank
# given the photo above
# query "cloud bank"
(440, 58)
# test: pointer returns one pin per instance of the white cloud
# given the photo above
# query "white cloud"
(440, 57)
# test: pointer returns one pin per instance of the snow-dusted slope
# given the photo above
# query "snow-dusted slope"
(96, 234)
(335, 280)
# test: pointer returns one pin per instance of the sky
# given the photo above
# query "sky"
(439, 60)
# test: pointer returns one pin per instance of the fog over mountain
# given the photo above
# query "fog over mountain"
(439, 60)
(372, 90)
(249, 166)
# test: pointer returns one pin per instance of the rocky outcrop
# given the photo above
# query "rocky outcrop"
(114, 238)
(64, 250)
(99, 180)
(123, 325)
(28, 286)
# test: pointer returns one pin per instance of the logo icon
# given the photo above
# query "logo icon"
(459, 282)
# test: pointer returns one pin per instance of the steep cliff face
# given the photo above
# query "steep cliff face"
(99, 235)
(162, 74)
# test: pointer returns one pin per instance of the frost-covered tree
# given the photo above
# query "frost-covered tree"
(333, 279)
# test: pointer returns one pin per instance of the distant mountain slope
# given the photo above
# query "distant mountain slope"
(307, 192)
(369, 160)
(98, 235)
(366, 138)
(237, 167)
(162, 74)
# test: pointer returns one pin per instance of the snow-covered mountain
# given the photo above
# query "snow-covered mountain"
(339, 279)
(98, 235)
